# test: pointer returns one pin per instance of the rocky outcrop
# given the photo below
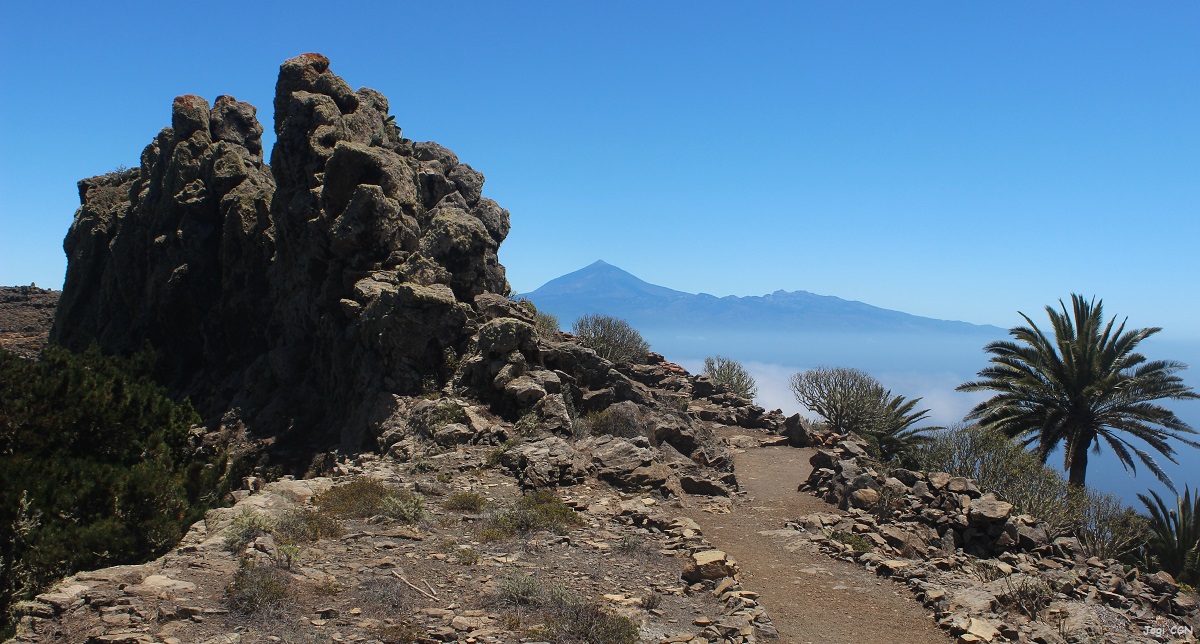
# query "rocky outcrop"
(173, 253)
(298, 293)
(316, 299)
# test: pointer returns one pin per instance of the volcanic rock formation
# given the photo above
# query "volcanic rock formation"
(315, 299)
(295, 293)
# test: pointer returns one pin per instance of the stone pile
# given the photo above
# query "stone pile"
(986, 573)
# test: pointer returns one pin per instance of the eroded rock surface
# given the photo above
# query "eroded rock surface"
(295, 293)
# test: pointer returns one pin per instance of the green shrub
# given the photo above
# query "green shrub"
(567, 620)
(732, 375)
(1003, 467)
(447, 412)
(588, 622)
(465, 556)
(299, 525)
(1174, 535)
(544, 324)
(245, 528)
(404, 506)
(529, 590)
(998, 464)
(1104, 526)
(612, 338)
(97, 466)
(496, 453)
(858, 543)
(850, 400)
(1030, 595)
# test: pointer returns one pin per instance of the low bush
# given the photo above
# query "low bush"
(612, 338)
(300, 525)
(539, 510)
(732, 375)
(545, 325)
(245, 528)
(1030, 595)
(257, 586)
(858, 543)
(589, 622)
(404, 506)
(465, 556)
(463, 501)
(616, 420)
(531, 591)
(366, 497)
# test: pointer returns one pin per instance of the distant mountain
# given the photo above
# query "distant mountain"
(604, 288)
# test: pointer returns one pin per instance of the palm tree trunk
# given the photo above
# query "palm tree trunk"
(1078, 473)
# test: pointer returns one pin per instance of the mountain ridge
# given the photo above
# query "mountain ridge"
(604, 288)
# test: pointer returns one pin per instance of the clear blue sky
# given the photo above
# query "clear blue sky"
(955, 160)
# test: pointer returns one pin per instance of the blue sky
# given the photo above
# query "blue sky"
(954, 160)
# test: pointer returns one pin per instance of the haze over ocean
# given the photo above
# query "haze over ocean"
(957, 161)
(780, 334)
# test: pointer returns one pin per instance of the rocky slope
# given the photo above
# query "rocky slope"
(439, 571)
(987, 574)
(26, 313)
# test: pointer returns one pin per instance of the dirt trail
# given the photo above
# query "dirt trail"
(810, 596)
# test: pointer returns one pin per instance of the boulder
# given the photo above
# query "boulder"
(548, 462)
(988, 510)
(708, 564)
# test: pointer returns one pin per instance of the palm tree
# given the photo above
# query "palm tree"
(893, 433)
(1083, 387)
(1174, 544)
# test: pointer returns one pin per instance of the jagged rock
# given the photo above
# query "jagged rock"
(547, 462)
(695, 483)
(961, 485)
(615, 459)
(297, 292)
(938, 480)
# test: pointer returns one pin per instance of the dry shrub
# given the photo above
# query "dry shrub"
(299, 525)
(365, 497)
(472, 502)
(257, 586)
(538, 510)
